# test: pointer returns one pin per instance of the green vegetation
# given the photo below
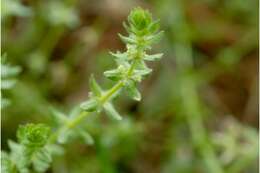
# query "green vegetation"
(35, 142)
(65, 103)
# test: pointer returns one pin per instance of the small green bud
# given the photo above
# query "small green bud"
(140, 19)
(33, 135)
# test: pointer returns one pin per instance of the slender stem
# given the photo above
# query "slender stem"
(77, 120)
(106, 97)
(111, 92)
(192, 110)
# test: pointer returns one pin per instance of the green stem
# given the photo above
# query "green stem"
(77, 120)
(111, 92)
(106, 97)
(197, 129)
(192, 110)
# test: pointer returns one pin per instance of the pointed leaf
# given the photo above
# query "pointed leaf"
(119, 55)
(153, 57)
(154, 27)
(110, 110)
(113, 74)
(6, 163)
(19, 156)
(143, 72)
(58, 116)
(90, 105)
(127, 28)
(127, 39)
(41, 160)
(133, 91)
(7, 83)
(86, 137)
(8, 71)
(64, 136)
(154, 38)
(94, 87)
(55, 149)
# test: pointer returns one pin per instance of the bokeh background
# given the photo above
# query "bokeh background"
(199, 106)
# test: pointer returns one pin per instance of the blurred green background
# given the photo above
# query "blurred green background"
(199, 110)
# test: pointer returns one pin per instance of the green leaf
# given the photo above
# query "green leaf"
(55, 149)
(154, 38)
(19, 156)
(110, 110)
(6, 163)
(127, 39)
(143, 72)
(94, 87)
(41, 160)
(86, 136)
(9, 71)
(58, 116)
(115, 74)
(133, 91)
(7, 83)
(14, 8)
(119, 55)
(127, 28)
(153, 57)
(154, 27)
(64, 135)
(90, 105)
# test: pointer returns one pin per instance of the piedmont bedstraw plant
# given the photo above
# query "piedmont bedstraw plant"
(35, 142)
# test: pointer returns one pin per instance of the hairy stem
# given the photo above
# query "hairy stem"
(82, 115)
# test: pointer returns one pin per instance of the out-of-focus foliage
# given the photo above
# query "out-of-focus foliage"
(199, 107)
(30, 151)
(8, 74)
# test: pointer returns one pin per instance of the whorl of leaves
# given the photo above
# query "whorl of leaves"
(131, 69)
(31, 151)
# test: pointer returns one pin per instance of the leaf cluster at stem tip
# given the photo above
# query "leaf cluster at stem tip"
(142, 31)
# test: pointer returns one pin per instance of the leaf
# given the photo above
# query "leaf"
(9, 71)
(64, 136)
(58, 116)
(127, 39)
(19, 156)
(90, 105)
(143, 72)
(119, 55)
(110, 110)
(16, 8)
(153, 57)
(7, 83)
(138, 74)
(6, 163)
(94, 87)
(55, 149)
(86, 136)
(133, 91)
(127, 28)
(41, 160)
(154, 27)
(154, 38)
(114, 74)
